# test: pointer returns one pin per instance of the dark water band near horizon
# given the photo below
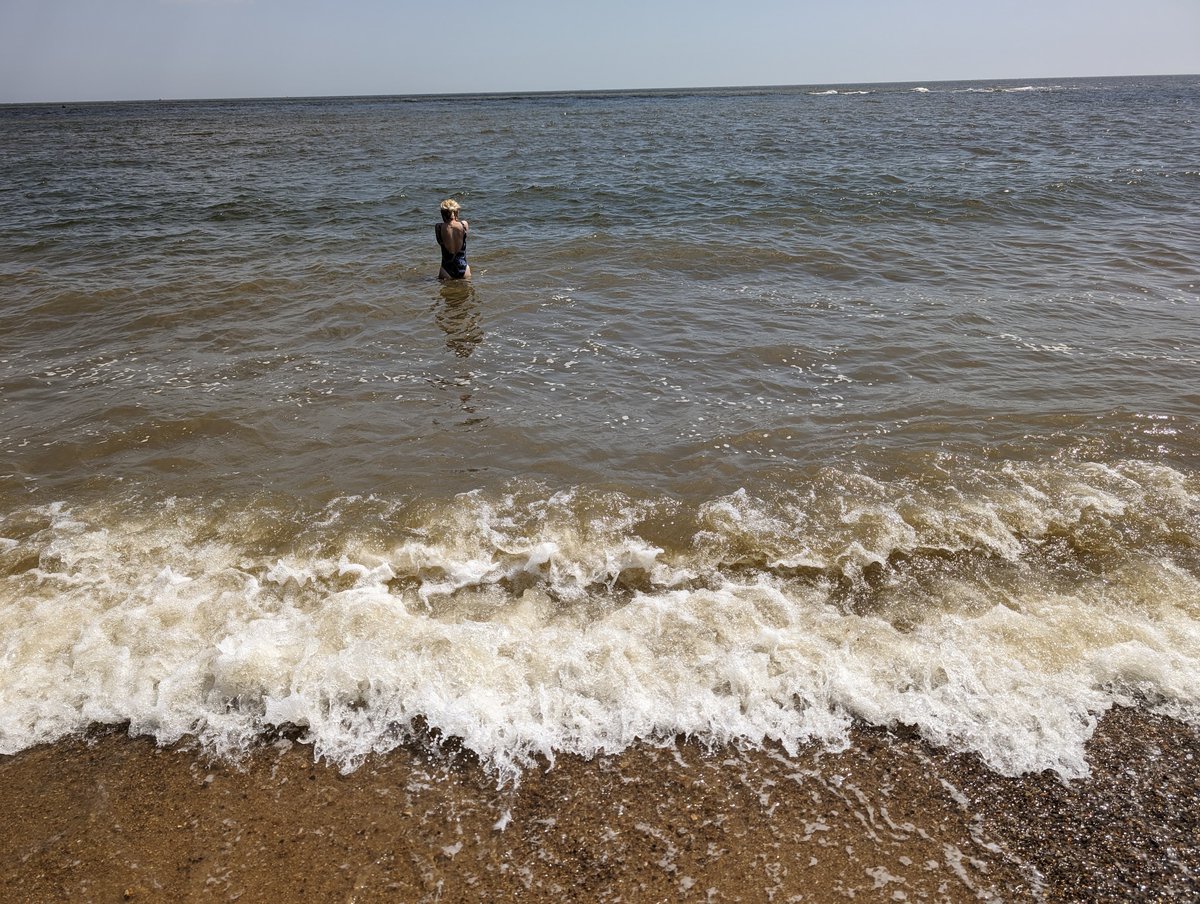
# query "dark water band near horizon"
(768, 413)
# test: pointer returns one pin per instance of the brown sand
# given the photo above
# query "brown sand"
(115, 819)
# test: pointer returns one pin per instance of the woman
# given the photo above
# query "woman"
(451, 236)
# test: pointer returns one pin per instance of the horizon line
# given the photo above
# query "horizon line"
(568, 92)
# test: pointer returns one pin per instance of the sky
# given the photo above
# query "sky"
(68, 50)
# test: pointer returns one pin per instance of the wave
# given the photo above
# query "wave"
(999, 612)
(1011, 89)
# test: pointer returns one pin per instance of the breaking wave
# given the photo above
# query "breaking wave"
(998, 611)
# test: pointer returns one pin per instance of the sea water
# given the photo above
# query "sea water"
(767, 410)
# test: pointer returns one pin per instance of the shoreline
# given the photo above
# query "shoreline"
(111, 817)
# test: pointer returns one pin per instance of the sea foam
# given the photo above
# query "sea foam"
(1001, 612)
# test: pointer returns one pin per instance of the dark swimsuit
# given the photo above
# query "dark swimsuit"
(454, 264)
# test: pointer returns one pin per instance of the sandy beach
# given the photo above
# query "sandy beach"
(112, 818)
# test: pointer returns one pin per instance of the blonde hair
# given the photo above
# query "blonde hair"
(449, 208)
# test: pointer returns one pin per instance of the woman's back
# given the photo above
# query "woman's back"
(452, 236)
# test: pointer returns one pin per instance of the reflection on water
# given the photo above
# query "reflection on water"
(458, 315)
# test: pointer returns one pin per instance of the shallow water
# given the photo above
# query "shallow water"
(767, 410)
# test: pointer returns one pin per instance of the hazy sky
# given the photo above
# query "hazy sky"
(124, 49)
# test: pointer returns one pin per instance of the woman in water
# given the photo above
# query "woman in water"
(451, 236)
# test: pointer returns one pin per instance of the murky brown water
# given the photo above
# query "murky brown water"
(766, 412)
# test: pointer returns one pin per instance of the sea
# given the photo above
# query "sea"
(768, 413)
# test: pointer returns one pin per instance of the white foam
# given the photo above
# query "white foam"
(506, 625)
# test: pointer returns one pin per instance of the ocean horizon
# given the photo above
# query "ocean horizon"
(582, 92)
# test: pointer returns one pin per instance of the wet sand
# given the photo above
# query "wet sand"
(110, 818)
